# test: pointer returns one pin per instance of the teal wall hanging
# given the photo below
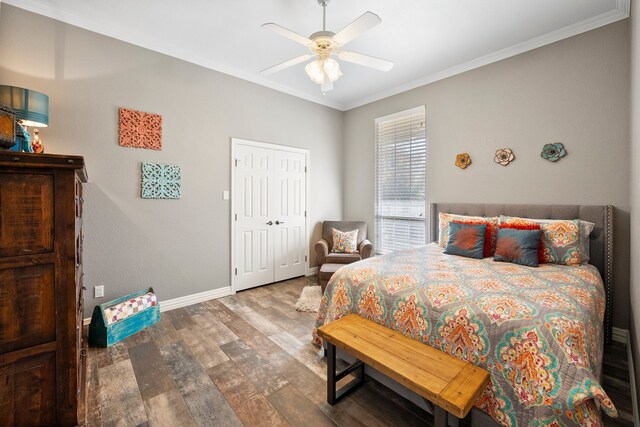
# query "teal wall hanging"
(553, 152)
(160, 181)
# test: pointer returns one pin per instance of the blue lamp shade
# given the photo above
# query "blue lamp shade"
(31, 107)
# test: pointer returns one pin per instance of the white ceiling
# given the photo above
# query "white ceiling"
(427, 39)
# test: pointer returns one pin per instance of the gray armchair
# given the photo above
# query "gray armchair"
(329, 262)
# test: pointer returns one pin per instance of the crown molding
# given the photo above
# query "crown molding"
(93, 24)
(620, 12)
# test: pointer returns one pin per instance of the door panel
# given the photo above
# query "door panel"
(253, 236)
(290, 236)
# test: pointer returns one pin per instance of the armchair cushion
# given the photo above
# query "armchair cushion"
(339, 258)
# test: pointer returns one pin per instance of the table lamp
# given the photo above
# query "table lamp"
(31, 107)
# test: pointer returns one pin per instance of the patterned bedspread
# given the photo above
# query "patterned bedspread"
(538, 331)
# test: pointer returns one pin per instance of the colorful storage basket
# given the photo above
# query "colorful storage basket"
(116, 320)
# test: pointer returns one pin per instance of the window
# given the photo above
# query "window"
(400, 180)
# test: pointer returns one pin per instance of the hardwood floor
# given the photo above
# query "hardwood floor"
(616, 383)
(242, 360)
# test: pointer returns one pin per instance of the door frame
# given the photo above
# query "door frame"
(307, 163)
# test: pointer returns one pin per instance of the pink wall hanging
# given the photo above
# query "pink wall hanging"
(140, 130)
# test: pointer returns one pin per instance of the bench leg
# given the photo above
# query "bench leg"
(331, 373)
(439, 417)
(333, 395)
(466, 421)
(439, 414)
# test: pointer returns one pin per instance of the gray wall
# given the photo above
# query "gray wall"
(634, 324)
(574, 91)
(181, 246)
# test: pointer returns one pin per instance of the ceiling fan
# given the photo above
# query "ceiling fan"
(324, 44)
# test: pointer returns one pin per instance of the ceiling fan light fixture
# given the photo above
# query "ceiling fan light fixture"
(332, 69)
(323, 70)
(315, 71)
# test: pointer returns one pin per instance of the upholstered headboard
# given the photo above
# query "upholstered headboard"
(601, 239)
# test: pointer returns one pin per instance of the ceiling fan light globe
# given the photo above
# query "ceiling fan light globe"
(315, 71)
(332, 69)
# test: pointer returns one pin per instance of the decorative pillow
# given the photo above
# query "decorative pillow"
(444, 219)
(345, 242)
(489, 237)
(560, 239)
(466, 240)
(586, 228)
(528, 226)
(518, 246)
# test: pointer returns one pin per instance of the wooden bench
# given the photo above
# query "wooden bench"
(446, 383)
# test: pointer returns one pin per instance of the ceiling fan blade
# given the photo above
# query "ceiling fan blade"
(326, 86)
(365, 22)
(366, 60)
(285, 64)
(291, 35)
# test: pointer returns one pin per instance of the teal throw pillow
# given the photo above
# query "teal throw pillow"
(518, 246)
(466, 240)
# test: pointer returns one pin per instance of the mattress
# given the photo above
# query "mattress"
(538, 331)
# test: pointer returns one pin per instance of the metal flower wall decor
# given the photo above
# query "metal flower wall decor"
(140, 130)
(463, 160)
(504, 156)
(160, 181)
(553, 152)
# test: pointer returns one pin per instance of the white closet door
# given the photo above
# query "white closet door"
(289, 214)
(253, 200)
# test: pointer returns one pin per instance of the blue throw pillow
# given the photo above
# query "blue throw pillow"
(518, 246)
(466, 240)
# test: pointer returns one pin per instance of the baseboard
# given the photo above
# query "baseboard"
(620, 335)
(172, 304)
(313, 271)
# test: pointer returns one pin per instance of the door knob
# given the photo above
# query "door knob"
(279, 222)
(270, 223)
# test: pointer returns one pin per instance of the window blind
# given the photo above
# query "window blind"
(400, 181)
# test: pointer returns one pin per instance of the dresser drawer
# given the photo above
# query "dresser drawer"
(26, 209)
(27, 307)
(28, 391)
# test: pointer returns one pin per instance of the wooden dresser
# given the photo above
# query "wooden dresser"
(42, 351)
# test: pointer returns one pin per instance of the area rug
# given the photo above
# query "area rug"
(309, 300)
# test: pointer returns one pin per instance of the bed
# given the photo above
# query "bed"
(538, 331)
